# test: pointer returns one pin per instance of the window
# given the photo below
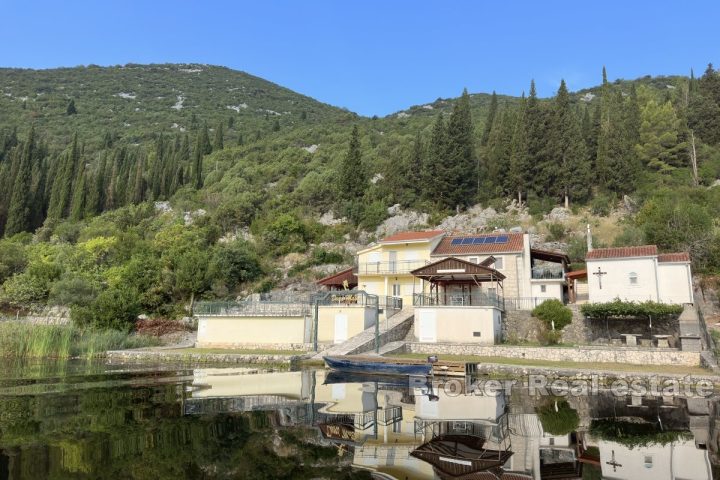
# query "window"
(633, 278)
(498, 265)
(648, 461)
(543, 288)
(474, 259)
(396, 290)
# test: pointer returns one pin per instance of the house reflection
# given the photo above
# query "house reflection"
(411, 429)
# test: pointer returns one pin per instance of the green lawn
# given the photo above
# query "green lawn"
(592, 366)
(238, 351)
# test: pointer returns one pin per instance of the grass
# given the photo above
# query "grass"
(24, 341)
(593, 366)
(236, 351)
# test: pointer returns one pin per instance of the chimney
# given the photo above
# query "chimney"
(589, 239)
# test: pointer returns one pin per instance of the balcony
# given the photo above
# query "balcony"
(548, 272)
(385, 268)
(467, 300)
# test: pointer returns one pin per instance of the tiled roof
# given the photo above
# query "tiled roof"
(622, 252)
(339, 277)
(576, 274)
(514, 244)
(412, 236)
(674, 257)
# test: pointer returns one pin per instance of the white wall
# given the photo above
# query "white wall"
(553, 289)
(616, 281)
(675, 282)
(457, 325)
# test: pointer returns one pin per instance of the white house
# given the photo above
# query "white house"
(639, 274)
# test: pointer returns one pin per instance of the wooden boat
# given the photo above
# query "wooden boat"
(377, 365)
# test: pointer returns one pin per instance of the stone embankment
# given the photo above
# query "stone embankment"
(180, 356)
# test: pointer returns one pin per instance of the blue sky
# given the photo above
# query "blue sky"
(373, 56)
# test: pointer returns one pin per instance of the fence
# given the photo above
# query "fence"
(252, 309)
(467, 300)
(523, 303)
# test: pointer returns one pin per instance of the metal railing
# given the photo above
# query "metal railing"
(548, 272)
(398, 266)
(346, 297)
(248, 308)
(524, 303)
(468, 300)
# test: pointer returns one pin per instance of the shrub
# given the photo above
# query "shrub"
(556, 231)
(113, 309)
(620, 308)
(558, 417)
(553, 314)
(601, 205)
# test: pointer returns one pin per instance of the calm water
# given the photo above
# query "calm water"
(81, 420)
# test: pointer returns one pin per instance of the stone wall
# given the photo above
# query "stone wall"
(47, 316)
(630, 355)
(520, 326)
(133, 356)
(299, 347)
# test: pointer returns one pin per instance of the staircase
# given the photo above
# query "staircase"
(391, 330)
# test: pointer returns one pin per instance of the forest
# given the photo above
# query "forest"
(139, 189)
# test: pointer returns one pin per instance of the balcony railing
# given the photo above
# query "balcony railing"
(399, 266)
(548, 272)
(474, 300)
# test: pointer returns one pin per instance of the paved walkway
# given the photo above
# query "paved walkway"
(397, 325)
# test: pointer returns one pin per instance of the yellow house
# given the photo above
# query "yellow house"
(384, 269)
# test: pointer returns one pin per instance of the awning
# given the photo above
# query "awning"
(452, 269)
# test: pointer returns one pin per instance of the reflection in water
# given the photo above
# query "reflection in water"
(96, 421)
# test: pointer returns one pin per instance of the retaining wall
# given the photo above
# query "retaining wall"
(637, 356)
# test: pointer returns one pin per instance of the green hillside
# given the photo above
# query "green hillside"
(86, 153)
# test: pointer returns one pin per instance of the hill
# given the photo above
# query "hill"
(138, 188)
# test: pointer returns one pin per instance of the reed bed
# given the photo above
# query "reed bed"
(24, 341)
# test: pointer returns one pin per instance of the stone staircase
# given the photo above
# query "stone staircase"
(392, 330)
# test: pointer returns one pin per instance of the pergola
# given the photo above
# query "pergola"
(462, 278)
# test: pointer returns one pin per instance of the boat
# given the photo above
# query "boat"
(378, 365)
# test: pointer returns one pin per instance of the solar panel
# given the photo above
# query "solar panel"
(456, 241)
(479, 240)
(467, 241)
(502, 239)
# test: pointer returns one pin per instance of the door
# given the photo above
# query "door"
(392, 266)
(341, 328)
(427, 324)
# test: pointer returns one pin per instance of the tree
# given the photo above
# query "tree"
(198, 153)
(352, 178)
(71, 110)
(218, 144)
(190, 269)
(490, 120)
(659, 143)
(434, 180)
(567, 152)
(460, 166)
(518, 173)
(19, 213)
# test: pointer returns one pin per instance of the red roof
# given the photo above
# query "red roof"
(336, 279)
(514, 244)
(413, 236)
(622, 252)
(674, 257)
(576, 274)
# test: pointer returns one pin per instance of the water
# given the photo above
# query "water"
(91, 420)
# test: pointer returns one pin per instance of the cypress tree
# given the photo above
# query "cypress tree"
(460, 165)
(77, 209)
(219, 144)
(490, 121)
(352, 178)
(569, 173)
(417, 160)
(19, 216)
(138, 189)
(198, 163)
(71, 110)
(518, 173)
(204, 141)
(433, 173)
(498, 153)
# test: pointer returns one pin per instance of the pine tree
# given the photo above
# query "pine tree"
(498, 153)
(276, 126)
(417, 160)
(138, 189)
(219, 144)
(352, 179)
(537, 133)
(204, 141)
(660, 146)
(71, 110)
(489, 122)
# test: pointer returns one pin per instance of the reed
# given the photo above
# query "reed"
(24, 341)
